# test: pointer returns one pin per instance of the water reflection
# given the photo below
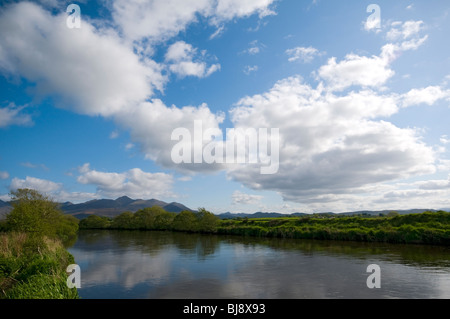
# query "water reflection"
(132, 264)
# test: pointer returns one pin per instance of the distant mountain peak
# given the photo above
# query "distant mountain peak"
(124, 199)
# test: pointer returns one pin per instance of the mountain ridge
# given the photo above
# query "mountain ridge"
(114, 207)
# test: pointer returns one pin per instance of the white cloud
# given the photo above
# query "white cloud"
(444, 139)
(114, 134)
(161, 20)
(157, 20)
(56, 191)
(4, 175)
(433, 184)
(255, 48)
(134, 183)
(181, 56)
(373, 21)
(151, 125)
(242, 198)
(76, 66)
(249, 69)
(12, 115)
(41, 185)
(230, 9)
(403, 31)
(428, 95)
(355, 70)
(330, 145)
(303, 54)
(374, 71)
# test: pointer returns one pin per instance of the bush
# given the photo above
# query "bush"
(34, 213)
(33, 267)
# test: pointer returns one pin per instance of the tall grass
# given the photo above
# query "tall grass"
(426, 228)
(33, 267)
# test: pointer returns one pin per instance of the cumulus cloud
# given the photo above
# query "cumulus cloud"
(134, 183)
(151, 125)
(373, 71)
(242, 198)
(330, 145)
(161, 20)
(355, 70)
(55, 190)
(78, 67)
(405, 30)
(303, 54)
(230, 9)
(42, 185)
(428, 96)
(184, 60)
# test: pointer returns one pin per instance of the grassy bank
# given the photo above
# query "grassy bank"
(33, 258)
(33, 267)
(425, 228)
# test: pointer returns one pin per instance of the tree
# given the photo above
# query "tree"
(207, 221)
(185, 221)
(95, 222)
(36, 213)
(393, 214)
(124, 221)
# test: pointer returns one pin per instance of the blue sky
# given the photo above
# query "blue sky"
(361, 103)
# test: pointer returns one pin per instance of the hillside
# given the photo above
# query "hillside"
(113, 207)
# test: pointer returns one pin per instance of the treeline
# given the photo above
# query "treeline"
(33, 258)
(424, 228)
(155, 218)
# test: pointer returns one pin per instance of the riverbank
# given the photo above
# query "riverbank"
(423, 228)
(33, 267)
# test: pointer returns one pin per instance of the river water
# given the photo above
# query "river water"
(154, 265)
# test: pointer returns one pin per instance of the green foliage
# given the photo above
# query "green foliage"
(155, 218)
(425, 228)
(124, 221)
(33, 266)
(95, 222)
(35, 213)
(206, 221)
(185, 221)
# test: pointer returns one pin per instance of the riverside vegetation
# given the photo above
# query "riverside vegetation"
(33, 238)
(33, 258)
(422, 228)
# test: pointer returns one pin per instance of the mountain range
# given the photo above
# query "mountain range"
(106, 207)
(114, 207)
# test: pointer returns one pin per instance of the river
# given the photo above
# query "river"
(159, 265)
